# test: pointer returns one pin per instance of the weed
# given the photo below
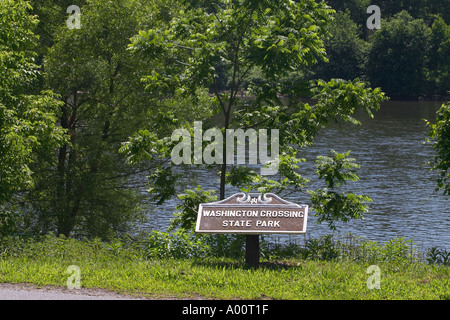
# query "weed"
(435, 255)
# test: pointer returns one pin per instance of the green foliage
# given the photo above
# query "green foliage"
(440, 7)
(322, 248)
(413, 40)
(9, 223)
(178, 245)
(406, 41)
(225, 246)
(436, 255)
(346, 51)
(189, 245)
(271, 40)
(440, 134)
(51, 14)
(83, 187)
(397, 249)
(27, 121)
(331, 206)
(331, 247)
(356, 9)
(186, 217)
(407, 58)
(337, 169)
(439, 60)
(186, 245)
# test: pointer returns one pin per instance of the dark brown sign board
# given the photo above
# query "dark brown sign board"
(252, 213)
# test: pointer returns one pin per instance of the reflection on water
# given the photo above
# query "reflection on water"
(392, 152)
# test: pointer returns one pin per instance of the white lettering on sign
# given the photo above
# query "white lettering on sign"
(282, 214)
(236, 223)
(253, 213)
(230, 213)
(268, 224)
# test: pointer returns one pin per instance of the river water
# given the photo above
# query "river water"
(393, 155)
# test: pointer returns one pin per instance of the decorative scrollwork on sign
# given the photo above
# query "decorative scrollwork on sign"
(244, 199)
(253, 198)
(263, 199)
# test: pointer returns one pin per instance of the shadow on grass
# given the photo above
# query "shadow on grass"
(237, 264)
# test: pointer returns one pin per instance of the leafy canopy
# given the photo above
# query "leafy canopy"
(217, 46)
(440, 133)
(27, 121)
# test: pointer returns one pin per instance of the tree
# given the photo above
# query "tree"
(441, 8)
(52, 14)
(345, 51)
(439, 58)
(85, 187)
(440, 133)
(356, 10)
(398, 56)
(274, 38)
(27, 121)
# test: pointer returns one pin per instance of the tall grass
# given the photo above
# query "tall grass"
(183, 245)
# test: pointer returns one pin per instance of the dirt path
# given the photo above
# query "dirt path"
(30, 292)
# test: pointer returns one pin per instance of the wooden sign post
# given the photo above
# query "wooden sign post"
(252, 214)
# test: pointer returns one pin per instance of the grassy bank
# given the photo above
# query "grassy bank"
(135, 269)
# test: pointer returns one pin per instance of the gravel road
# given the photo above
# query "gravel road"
(27, 292)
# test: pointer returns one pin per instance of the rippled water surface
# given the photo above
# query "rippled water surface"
(392, 152)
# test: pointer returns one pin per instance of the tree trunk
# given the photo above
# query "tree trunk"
(68, 199)
(223, 170)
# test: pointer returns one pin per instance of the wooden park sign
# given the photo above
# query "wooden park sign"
(252, 214)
